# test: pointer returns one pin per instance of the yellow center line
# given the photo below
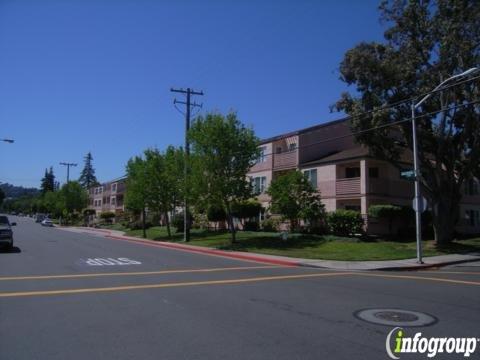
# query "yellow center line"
(137, 273)
(452, 272)
(410, 277)
(167, 285)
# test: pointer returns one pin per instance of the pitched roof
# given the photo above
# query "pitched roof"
(302, 131)
(354, 153)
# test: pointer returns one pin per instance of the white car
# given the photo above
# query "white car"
(47, 222)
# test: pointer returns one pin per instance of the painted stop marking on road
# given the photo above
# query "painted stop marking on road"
(111, 261)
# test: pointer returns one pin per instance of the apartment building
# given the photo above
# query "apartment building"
(346, 174)
(108, 197)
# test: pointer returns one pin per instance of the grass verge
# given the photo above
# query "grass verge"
(327, 247)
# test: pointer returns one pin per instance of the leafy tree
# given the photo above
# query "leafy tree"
(74, 197)
(162, 184)
(87, 176)
(293, 196)
(174, 174)
(223, 152)
(53, 203)
(426, 42)
(136, 196)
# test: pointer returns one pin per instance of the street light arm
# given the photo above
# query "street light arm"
(439, 86)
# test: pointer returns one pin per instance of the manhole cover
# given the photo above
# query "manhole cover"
(395, 317)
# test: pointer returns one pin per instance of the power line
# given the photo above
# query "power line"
(68, 169)
(188, 105)
(412, 99)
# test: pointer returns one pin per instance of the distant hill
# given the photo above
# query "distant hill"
(14, 192)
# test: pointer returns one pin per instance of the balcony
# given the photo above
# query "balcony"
(391, 187)
(286, 160)
(347, 186)
(264, 164)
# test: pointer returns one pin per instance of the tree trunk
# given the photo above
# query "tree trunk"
(232, 228)
(167, 222)
(143, 223)
(231, 225)
(445, 216)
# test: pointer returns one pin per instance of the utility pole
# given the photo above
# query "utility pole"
(189, 92)
(68, 169)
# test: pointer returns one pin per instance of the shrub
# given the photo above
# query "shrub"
(177, 222)
(270, 224)
(200, 220)
(250, 226)
(216, 213)
(345, 222)
(386, 212)
(137, 225)
(247, 209)
(107, 216)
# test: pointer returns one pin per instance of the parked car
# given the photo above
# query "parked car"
(47, 222)
(39, 218)
(6, 233)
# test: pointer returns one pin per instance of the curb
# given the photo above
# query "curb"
(194, 249)
(427, 266)
(260, 258)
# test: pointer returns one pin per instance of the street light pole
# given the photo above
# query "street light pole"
(416, 162)
(418, 212)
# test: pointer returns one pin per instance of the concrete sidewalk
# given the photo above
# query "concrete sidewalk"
(406, 264)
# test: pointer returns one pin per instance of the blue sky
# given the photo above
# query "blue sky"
(84, 75)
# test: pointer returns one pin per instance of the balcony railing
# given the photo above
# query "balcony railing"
(285, 160)
(347, 186)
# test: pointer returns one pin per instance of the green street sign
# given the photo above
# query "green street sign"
(408, 174)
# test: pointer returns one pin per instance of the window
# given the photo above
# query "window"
(263, 157)
(279, 150)
(292, 147)
(471, 187)
(259, 183)
(312, 177)
(114, 187)
(352, 172)
(472, 217)
(113, 201)
(373, 172)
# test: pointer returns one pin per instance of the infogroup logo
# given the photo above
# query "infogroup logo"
(397, 343)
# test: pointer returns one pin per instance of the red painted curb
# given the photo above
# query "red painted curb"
(208, 251)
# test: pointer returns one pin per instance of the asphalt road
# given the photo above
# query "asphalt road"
(69, 296)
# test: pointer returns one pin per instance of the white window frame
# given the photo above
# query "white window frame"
(259, 184)
(308, 174)
(263, 157)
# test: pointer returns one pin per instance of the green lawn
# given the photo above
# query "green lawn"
(326, 247)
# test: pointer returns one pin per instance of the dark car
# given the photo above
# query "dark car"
(6, 233)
